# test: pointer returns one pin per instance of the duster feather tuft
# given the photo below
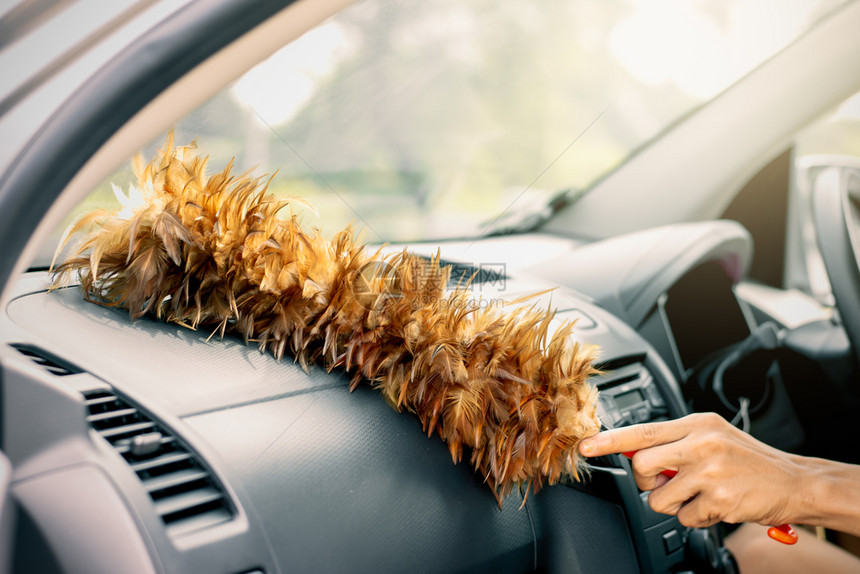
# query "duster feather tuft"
(213, 253)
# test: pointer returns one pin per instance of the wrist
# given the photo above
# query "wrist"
(828, 495)
(807, 503)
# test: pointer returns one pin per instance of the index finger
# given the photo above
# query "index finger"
(635, 437)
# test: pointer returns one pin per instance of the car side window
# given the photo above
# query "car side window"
(833, 139)
(774, 204)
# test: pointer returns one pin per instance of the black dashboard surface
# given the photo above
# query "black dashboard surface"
(320, 479)
(337, 481)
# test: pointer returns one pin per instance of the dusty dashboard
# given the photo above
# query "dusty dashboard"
(224, 460)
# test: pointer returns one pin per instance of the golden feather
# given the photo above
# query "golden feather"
(212, 253)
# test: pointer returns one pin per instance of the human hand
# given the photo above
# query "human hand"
(723, 474)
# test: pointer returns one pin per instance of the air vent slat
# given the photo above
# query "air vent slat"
(194, 522)
(175, 479)
(163, 460)
(127, 429)
(186, 501)
(100, 401)
(57, 370)
(111, 415)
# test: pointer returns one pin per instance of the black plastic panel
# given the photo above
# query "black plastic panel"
(179, 367)
(580, 533)
(343, 483)
(338, 482)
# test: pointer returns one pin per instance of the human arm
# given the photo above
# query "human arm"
(727, 475)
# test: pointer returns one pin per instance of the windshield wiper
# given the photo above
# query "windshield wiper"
(523, 221)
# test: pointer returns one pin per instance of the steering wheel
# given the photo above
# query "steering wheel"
(836, 214)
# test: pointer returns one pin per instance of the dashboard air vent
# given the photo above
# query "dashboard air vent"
(185, 493)
(620, 362)
(461, 273)
(52, 364)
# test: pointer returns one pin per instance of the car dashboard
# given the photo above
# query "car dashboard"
(149, 447)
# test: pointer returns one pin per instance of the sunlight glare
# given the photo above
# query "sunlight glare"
(686, 44)
(279, 87)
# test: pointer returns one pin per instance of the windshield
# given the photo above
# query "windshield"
(445, 118)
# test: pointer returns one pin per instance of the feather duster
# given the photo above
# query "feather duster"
(217, 253)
